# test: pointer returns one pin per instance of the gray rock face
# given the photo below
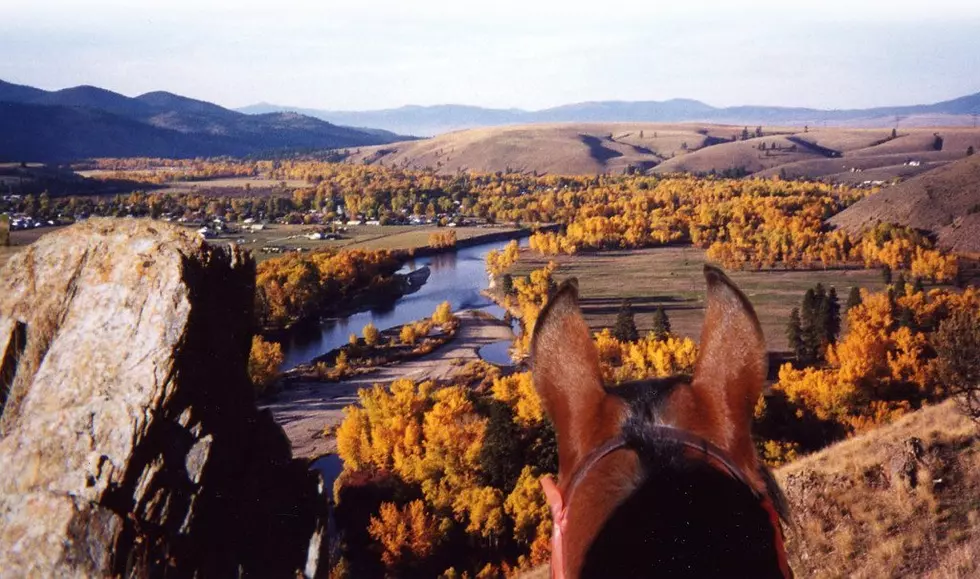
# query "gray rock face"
(130, 443)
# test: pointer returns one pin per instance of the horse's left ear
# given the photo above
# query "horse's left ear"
(731, 367)
(565, 368)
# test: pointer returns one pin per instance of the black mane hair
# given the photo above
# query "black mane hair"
(687, 518)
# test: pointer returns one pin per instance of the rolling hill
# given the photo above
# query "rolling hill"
(438, 119)
(86, 121)
(839, 155)
(944, 202)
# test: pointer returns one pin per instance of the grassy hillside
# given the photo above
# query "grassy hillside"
(571, 149)
(900, 501)
(836, 154)
(944, 201)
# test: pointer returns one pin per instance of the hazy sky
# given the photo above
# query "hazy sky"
(368, 54)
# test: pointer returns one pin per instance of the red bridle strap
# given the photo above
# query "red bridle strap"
(663, 434)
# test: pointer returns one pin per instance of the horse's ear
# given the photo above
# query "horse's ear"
(565, 368)
(731, 366)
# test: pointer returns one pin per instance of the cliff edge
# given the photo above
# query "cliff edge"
(130, 443)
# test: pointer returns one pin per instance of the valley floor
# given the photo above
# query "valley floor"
(672, 277)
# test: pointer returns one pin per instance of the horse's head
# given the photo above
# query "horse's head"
(660, 476)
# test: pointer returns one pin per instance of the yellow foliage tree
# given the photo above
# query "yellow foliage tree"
(408, 335)
(406, 535)
(385, 432)
(443, 239)
(528, 509)
(443, 313)
(371, 334)
(644, 358)
(517, 391)
(263, 363)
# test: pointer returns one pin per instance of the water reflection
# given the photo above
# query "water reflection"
(457, 277)
(497, 353)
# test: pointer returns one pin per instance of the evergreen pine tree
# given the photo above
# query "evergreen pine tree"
(811, 327)
(625, 328)
(833, 315)
(900, 285)
(906, 319)
(886, 274)
(794, 335)
(661, 323)
(821, 315)
(853, 298)
(918, 287)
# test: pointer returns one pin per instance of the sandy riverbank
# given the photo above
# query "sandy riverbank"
(305, 409)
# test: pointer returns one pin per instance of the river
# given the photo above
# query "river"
(458, 277)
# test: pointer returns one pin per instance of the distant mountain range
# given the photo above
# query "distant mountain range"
(434, 120)
(86, 121)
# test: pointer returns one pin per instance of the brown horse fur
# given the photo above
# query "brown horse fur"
(716, 404)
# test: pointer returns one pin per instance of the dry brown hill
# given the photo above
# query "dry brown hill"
(835, 154)
(900, 501)
(571, 149)
(944, 201)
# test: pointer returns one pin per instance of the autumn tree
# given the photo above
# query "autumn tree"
(341, 363)
(371, 334)
(957, 344)
(443, 313)
(263, 363)
(625, 327)
(406, 535)
(661, 324)
(443, 239)
(408, 335)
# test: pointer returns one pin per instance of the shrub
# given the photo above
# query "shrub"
(408, 335)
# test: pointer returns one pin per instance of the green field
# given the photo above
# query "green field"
(672, 277)
(356, 237)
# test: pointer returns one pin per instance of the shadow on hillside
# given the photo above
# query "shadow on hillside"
(598, 151)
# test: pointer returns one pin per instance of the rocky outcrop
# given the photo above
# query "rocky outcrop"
(130, 444)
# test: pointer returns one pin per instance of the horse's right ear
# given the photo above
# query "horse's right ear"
(565, 368)
(730, 370)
